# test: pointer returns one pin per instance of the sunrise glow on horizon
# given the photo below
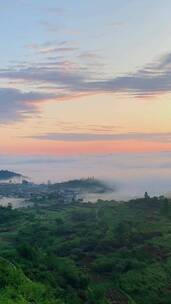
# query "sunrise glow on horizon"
(85, 78)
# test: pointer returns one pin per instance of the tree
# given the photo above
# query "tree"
(146, 196)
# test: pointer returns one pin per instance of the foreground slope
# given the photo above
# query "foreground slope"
(103, 253)
(16, 288)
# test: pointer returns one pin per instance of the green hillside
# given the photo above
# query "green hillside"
(103, 253)
(16, 288)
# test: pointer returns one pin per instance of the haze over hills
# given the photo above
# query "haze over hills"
(89, 185)
(67, 191)
(131, 175)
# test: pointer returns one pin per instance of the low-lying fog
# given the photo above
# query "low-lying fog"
(14, 202)
(131, 173)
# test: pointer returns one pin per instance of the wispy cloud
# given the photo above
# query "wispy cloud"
(154, 78)
(81, 137)
(15, 104)
(64, 78)
(89, 55)
(49, 49)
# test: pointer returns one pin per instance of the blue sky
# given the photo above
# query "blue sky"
(117, 30)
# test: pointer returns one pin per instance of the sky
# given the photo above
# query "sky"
(85, 77)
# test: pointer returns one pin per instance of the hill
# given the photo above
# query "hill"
(7, 175)
(89, 185)
(103, 253)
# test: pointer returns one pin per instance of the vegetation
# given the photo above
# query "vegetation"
(108, 252)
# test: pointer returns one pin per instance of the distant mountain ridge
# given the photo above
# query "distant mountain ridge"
(91, 185)
(7, 175)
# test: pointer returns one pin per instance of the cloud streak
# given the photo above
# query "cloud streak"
(153, 79)
(48, 48)
(67, 79)
(15, 104)
(82, 137)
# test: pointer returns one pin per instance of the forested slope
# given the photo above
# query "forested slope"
(108, 252)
